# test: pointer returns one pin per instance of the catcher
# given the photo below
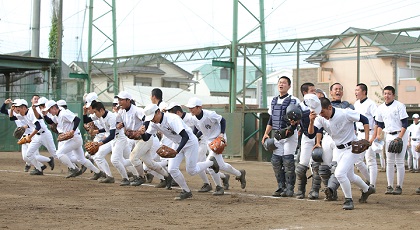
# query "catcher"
(212, 127)
(339, 123)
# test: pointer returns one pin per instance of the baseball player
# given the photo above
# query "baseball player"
(176, 130)
(413, 141)
(339, 124)
(283, 157)
(211, 125)
(367, 107)
(68, 122)
(392, 118)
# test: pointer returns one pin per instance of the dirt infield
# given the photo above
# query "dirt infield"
(54, 202)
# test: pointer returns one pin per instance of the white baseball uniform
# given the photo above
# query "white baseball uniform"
(414, 130)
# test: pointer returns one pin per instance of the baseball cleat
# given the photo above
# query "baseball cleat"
(36, 172)
(27, 167)
(330, 194)
(241, 178)
(313, 195)
(96, 176)
(206, 188)
(108, 179)
(389, 190)
(348, 204)
(162, 184)
(137, 181)
(125, 182)
(219, 191)
(215, 165)
(184, 195)
(418, 191)
(397, 191)
(51, 163)
(226, 182)
(73, 172)
(149, 178)
(365, 195)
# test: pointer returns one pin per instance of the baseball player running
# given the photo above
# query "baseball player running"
(211, 125)
(339, 124)
(414, 140)
(176, 130)
(392, 119)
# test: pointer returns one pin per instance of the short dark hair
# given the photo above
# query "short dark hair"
(305, 87)
(98, 105)
(35, 95)
(392, 89)
(176, 109)
(287, 78)
(325, 102)
(363, 87)
(342, 87)
(157, 93)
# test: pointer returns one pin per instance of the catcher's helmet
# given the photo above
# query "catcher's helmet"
(269, 144)
(293, 112)
(317, 154)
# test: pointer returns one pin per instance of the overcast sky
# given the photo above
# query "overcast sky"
(146, 26)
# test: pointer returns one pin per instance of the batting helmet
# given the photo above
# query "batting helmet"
(293, 112)
(269, 144)
(317, 154)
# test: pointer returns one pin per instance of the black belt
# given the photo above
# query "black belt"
(362, 130)
(39, 133)
(415, 139)
(344, 145)
(396, 132)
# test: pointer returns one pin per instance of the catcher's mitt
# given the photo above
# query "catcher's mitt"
(18, 133)
(359, 146)
(166, 152)
(218, 145)
(65, 136)
(24, 140)
(133, 134)
(92, 147)
(285, 133)
(417, 149)
(395, 146)
(53, 128)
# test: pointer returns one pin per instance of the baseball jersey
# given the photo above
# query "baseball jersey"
(170, 127)
(29, 119)
(209, 124)
(368, 109)
(280, 101)
(340, 126)
(414, 130)
(391, 115)
(65, 121)
(100, 125)
(189, 120)
(109, 122)
(132, 119)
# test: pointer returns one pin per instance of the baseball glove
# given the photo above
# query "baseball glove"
(218, 145)
(18, 133)
(395, 146)
(359, 146)
(285, 133)
(24, 140)
(65, 136)
(166, 152)
(133, 134)
(92, 147)
(417, 149)
(53, 128)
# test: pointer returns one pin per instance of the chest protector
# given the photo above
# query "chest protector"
(342, 105)
(278, 112)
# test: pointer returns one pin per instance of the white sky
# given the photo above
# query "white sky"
(146, 26)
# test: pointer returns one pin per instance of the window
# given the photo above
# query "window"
(410, 89)
(110, 86)
(224, 73)
(170, 84)
(142, 81)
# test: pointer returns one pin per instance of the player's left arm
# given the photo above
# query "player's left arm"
(365, 122)
(184, 140)
(222, 127)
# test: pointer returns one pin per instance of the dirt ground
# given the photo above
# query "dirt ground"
(54, 202)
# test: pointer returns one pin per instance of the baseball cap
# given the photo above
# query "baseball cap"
(22, 102)
(115, 101)
(48, 105)
(416, 115)
(312, 101)
(15, 101)
(41, 100)
(149, 111)
(61, 103)
(90, 97)
(193, 102)
(124, 95)
(171, 105)
(162, 106)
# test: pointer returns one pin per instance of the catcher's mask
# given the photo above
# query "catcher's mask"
(269, 144)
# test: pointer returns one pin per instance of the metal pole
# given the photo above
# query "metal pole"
(296, 83)
(36, 11)
(358, 59)
(263, 56)
(234, 54)
(114, 38)
(89, 64)
(59, 51)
